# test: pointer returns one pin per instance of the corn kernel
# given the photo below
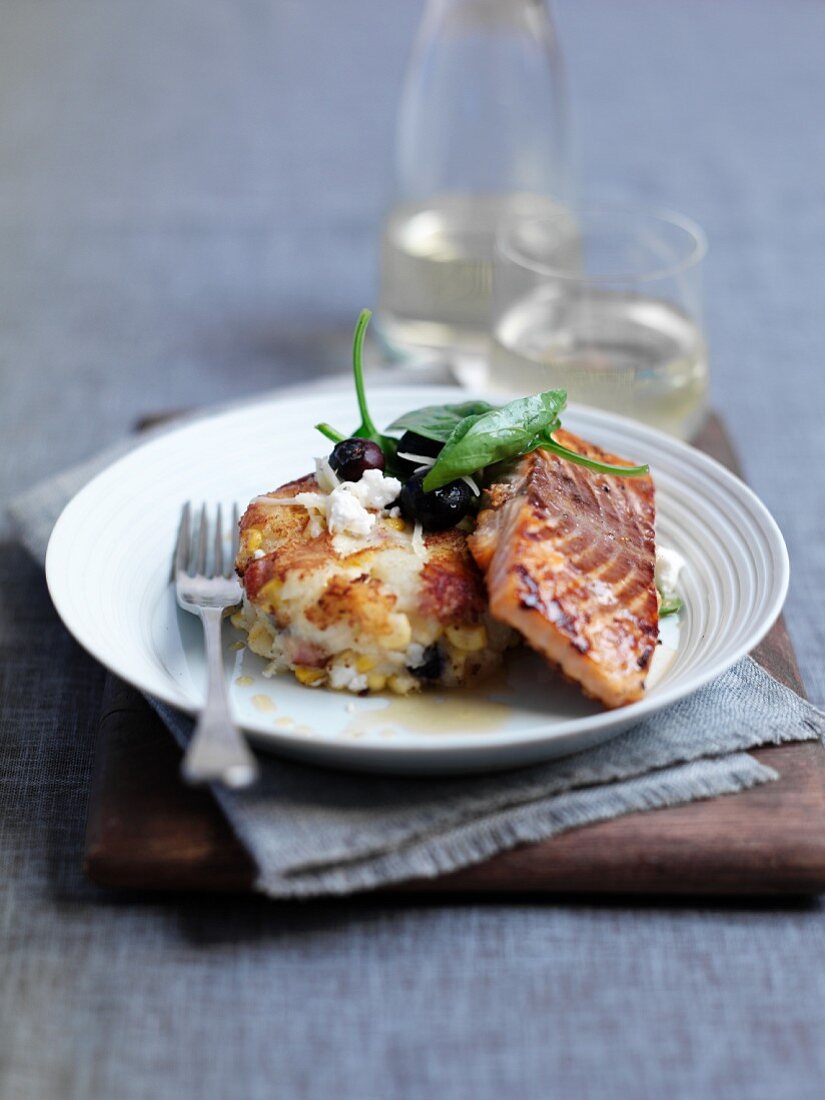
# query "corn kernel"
(364, 663)
(252, 539)
(396, 522)
(359, 560)
(458, 659)
(261, 638)
(468, 638)
(400, 633)
(304, 674)
(426, 629)
(376, 682)
(402, 683)
(269, 592)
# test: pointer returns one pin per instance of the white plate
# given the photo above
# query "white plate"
(108, 564)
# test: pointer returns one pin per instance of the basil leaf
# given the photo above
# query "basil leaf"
(484, 438)
(438, 421)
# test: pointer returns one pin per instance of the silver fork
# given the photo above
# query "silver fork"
(206, 587)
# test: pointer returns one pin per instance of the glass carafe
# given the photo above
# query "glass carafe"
(482, 130)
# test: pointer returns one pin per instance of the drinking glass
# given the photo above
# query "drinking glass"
(620, 327)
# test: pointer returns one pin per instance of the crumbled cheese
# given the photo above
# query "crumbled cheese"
(414, 657)
(669, 564)
(418, 544)
(345, 506)
(317, 504)
(300, 500)
(273, 500)
(373, 489)
(345, 678)
(325, 475)
(316, 525)
(421, 460)
(347, 515)
(311, 500)
(347, 512)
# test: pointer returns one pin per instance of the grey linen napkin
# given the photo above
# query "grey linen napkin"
(314, 832)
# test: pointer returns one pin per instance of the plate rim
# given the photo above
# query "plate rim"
(602, 723)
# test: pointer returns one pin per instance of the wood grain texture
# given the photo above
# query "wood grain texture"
(146, 830)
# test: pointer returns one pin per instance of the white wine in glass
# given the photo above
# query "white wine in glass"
(622, 331)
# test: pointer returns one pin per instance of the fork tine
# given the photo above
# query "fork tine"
(199, 565)
(218, 564)
(181, 555)
(236, 533)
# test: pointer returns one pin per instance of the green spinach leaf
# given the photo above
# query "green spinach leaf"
(546, 442)
(367, 428)
(669, 606)
(492, 436)
(475, 434)
(438, 421)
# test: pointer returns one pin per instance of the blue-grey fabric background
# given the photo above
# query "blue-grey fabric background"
(189, 196)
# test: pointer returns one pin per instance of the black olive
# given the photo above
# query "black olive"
(414, 444)
(430, 667)
(437, 510)
(351, 457)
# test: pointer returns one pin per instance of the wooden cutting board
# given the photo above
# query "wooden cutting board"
(148, 831)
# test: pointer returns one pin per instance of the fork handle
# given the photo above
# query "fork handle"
(217, 753)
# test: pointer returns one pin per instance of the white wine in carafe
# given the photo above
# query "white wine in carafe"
(437, 267)
(482, 127)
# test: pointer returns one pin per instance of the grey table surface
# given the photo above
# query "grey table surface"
(189, 196)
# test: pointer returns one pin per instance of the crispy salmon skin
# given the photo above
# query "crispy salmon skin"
(569, 558)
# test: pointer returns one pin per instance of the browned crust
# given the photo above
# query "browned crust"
(362, 603)
(452, 587)
(284, 527)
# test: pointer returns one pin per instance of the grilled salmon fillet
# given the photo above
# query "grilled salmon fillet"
(569, 556)
(392, 610)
